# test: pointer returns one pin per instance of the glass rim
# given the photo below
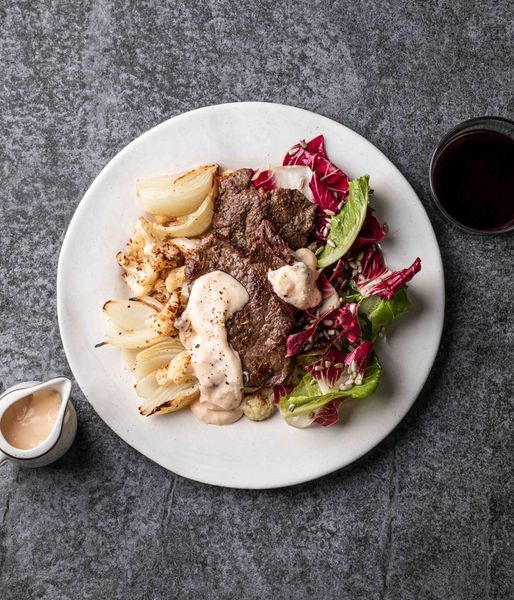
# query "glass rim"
(468, 124)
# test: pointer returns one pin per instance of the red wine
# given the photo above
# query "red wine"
(473, 179)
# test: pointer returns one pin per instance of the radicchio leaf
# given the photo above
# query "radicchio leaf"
(338, 274)
(328, 369)
(326, 201)
(322, 196)
(345, 319)
(387, 283)
(329, 296)
(371, 231)
(296, 341)
(303, 152)
(335, 180)
(357, 361)
(280, 391)
(329, 414)
(372, 263)
(264, 179)
(328, 184)
(341, 322)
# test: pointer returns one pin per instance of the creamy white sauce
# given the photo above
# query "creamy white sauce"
(296, 283)
(208, 413)
(308, 257)
(214, 298)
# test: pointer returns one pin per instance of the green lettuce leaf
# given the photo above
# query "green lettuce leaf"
(352, 296)
(345, 226)
(385, 311)
(307, 396)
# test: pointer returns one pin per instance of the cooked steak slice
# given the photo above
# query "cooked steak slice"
(259, 331)
(293, 216)
(238, 214)
(236, 181)
(216, 252)
(241, 208)
(268, 247)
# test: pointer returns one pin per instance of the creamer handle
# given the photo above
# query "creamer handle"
(3, 457)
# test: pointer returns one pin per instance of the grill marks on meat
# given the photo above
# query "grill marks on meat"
(259, 331)
(252, 232)
(237, 214)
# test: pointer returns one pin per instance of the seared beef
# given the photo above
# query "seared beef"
(239, 214)
(235, 181)
(254, 231)
(240, 208)
(293, 216)
(267, 247)
(259, 331)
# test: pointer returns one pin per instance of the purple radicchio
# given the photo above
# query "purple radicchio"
(264, 179)
(328, 414)
(372, 231)
(375, 279)
(334, 325)
(337, 371)
(328, 184)
(329, 297)
(281, 390)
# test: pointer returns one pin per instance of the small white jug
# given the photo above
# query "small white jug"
(61, 435)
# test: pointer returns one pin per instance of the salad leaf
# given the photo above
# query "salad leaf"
(296, 341)
(345, 226)
(329, 296)
(322, 196)
(328, 185)
(338, 324)
(264, 179)
(385, 311)
(312, 154)
(357, 361)
(281, 390)
(329, 414)
(352, 297)
(371, 231)
(308, 398)
(346, 321)
(387, 283)
(372, 264)
(287, 177)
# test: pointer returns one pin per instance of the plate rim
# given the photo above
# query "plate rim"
(66, 336)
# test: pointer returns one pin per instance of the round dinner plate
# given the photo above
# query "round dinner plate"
(247, 454)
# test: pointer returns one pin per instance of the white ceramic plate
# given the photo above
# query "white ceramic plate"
(247, 454)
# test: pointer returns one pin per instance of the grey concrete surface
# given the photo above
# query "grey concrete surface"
(429, 513)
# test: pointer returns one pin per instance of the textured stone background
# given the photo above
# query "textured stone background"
(426, 515)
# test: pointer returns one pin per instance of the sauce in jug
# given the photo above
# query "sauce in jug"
(29, 421)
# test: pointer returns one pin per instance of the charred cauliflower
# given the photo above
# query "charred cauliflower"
(144, 259)
(164, 321)
(180, 368)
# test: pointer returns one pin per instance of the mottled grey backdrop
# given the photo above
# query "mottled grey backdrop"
(426, 515)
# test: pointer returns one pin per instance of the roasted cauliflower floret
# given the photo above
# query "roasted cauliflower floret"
(176, 282)
(257, 407)
(164, 321)
(139, 275)
(160, 293)
(180, 368)
(165, 256)
(162, 376)
(145, 258)
(176, 279)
